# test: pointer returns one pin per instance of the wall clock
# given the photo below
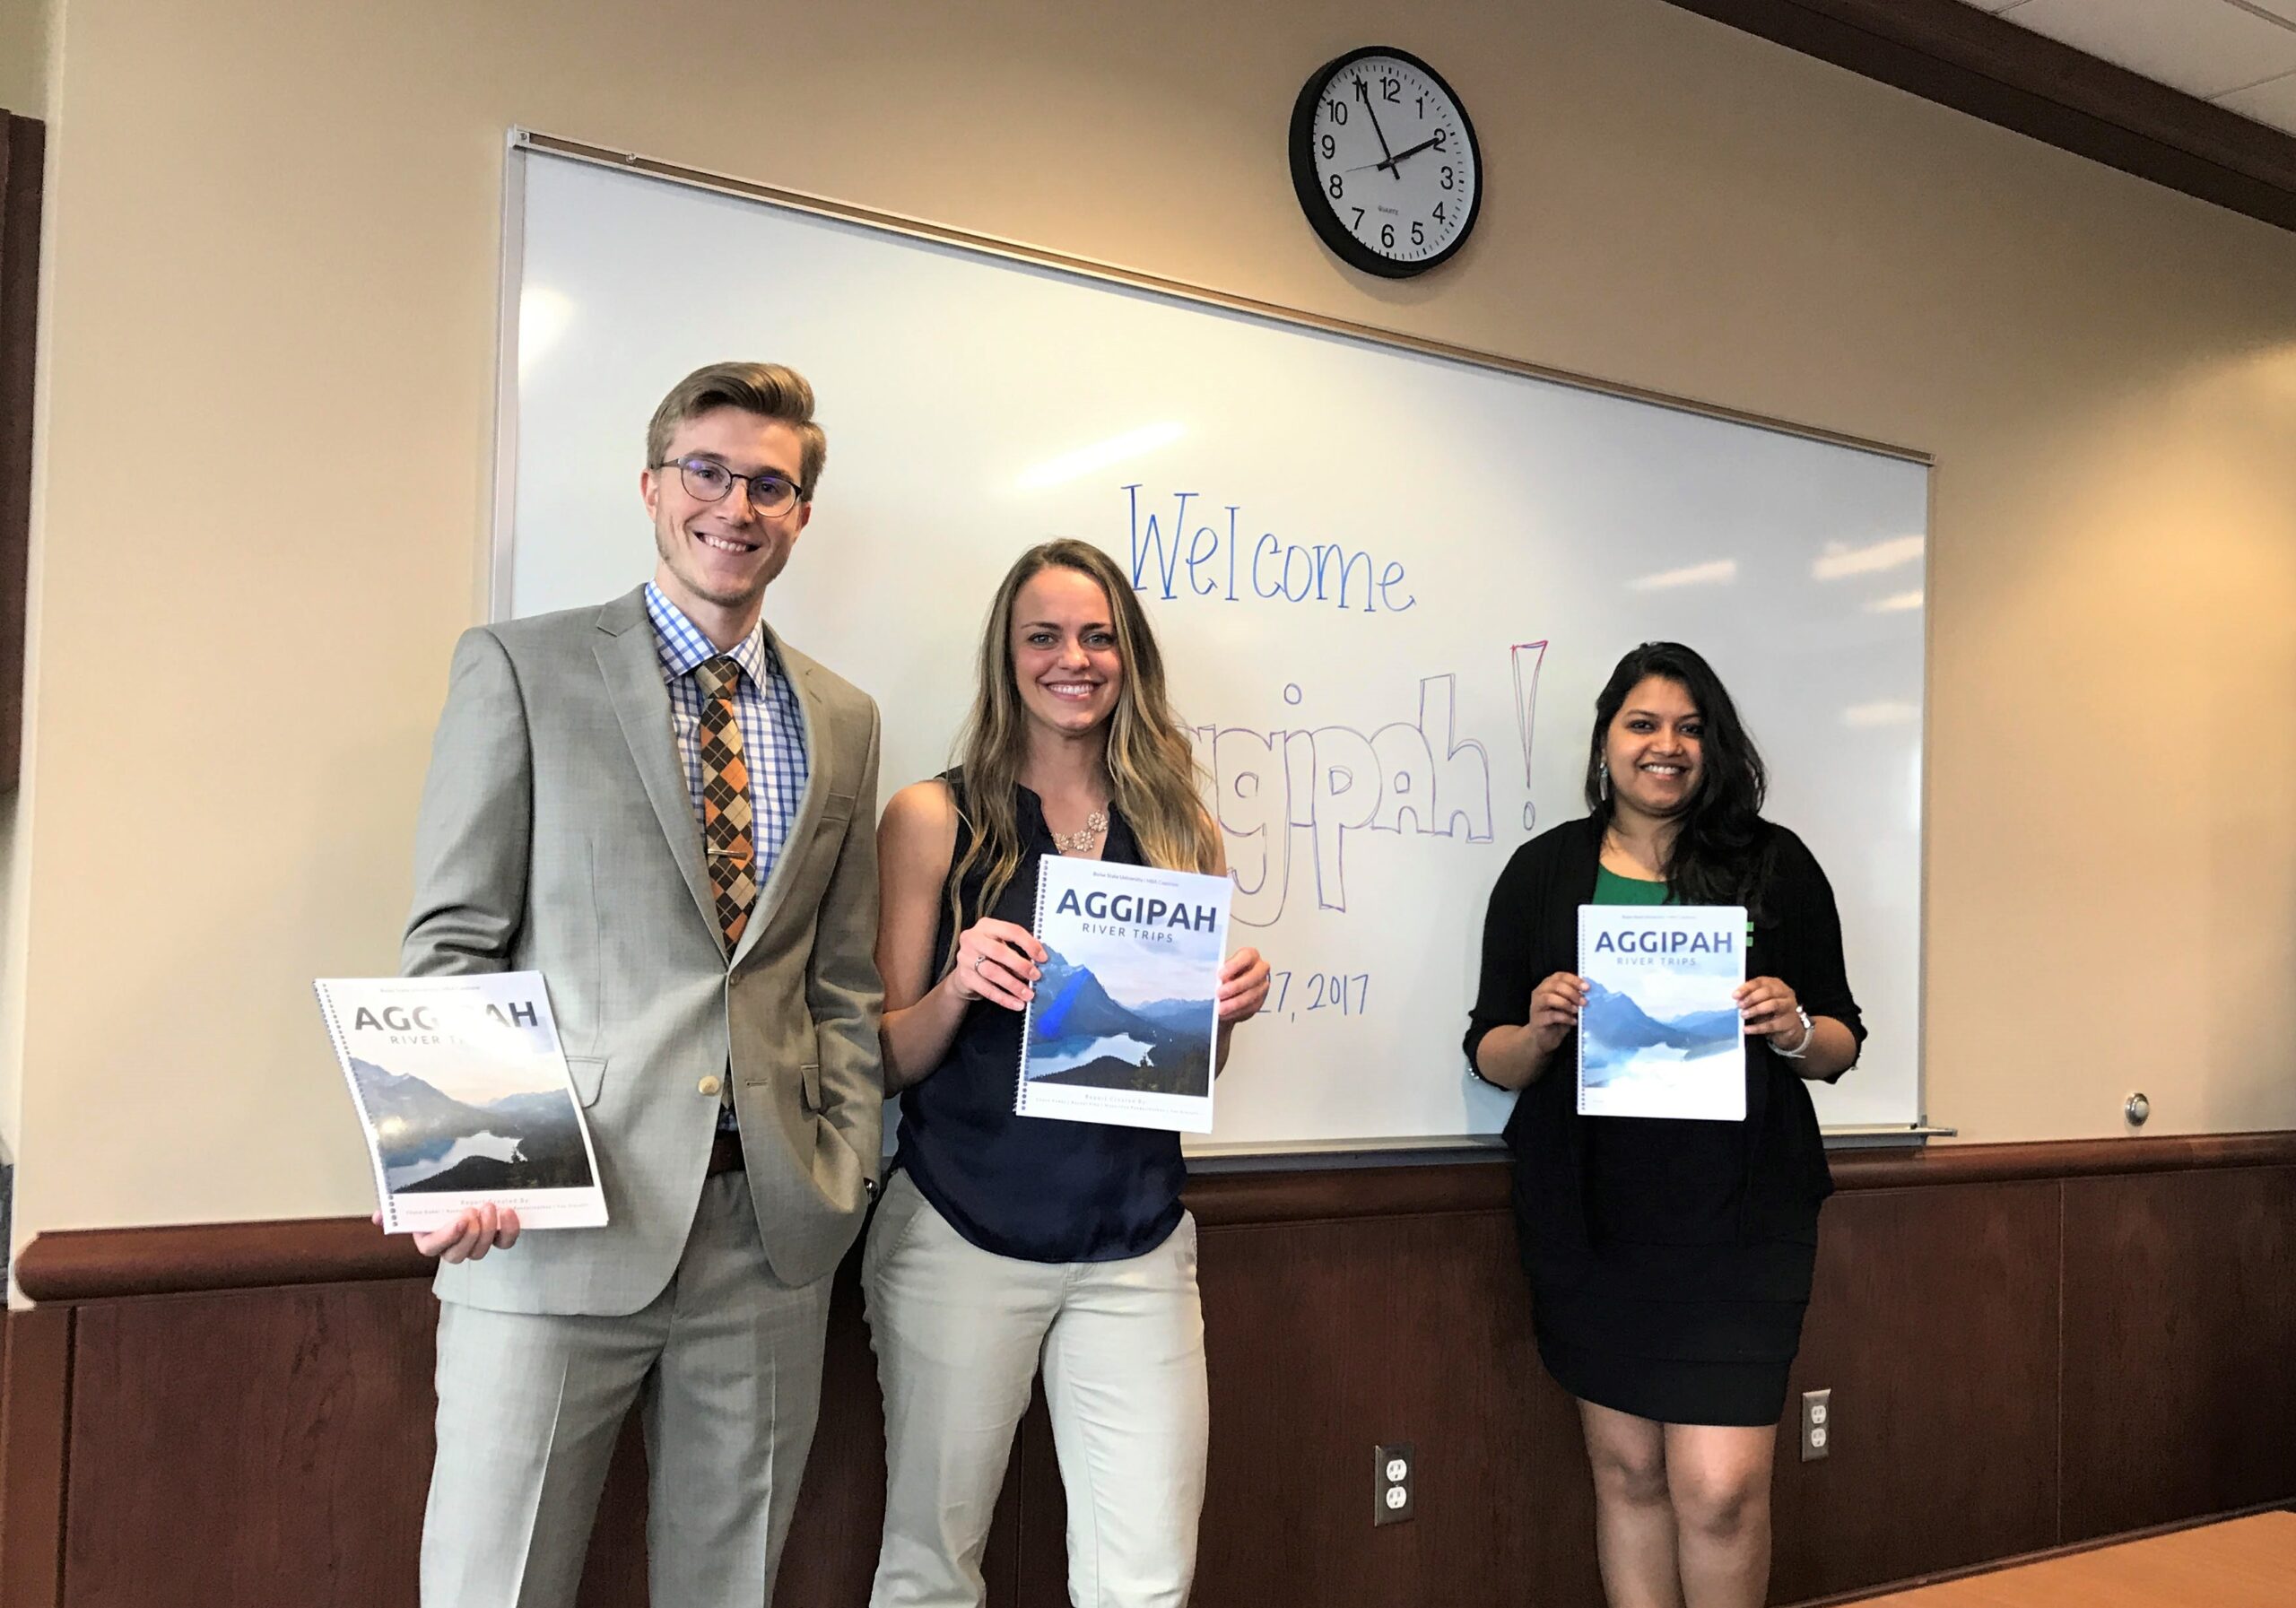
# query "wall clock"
(1385, 163)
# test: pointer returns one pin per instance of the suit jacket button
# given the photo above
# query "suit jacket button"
(708, 1086)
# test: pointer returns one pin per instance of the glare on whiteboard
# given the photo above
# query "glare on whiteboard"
(1101, 455)
(543, 315)
(1721, 572)
(1838, 560)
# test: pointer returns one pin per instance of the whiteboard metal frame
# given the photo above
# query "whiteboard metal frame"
(522, 141)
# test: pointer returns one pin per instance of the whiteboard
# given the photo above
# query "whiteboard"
(1388, 582)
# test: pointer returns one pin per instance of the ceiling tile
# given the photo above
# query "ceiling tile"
(2203, 47)
(2278, 8)
(2274, 103)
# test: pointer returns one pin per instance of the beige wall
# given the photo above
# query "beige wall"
(23, 57)
(275, 250)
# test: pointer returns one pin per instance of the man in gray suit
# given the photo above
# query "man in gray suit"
(670, 813)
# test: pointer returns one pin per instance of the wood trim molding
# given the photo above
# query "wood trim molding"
(90, 1264)
(2062, 1159)
(1988, 67)
(23, 143)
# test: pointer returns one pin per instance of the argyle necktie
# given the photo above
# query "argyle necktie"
(725, 826)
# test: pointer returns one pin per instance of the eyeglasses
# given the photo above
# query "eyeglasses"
(708, 481)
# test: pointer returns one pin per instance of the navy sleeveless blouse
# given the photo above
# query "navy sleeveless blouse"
(1029, 1187)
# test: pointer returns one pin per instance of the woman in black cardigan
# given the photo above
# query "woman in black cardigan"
(1669, 1261)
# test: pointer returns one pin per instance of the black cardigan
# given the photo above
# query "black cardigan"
(1532, 931)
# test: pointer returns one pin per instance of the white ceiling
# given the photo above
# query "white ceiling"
(2240, 54)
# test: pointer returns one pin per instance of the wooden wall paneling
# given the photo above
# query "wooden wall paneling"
(2179, 1346)
(35, 1403)
(1328, 1338)
(613, 1571)
(831, 1555)
(1933, 1320)
(1033, 1546)
(229, 1449)
(22, 145)
(272, 1444)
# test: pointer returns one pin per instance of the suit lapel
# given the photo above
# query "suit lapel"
(641, 703)
(818, 752)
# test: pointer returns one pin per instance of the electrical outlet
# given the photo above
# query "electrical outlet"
(1393, 1467)
(1817, 1424)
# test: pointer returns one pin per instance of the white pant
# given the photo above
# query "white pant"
(959, 1333)
(727, 1362)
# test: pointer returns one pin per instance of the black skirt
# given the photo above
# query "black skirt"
(1668, 1314)
(1630, 1333)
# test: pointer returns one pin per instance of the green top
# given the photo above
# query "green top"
(1611, 888)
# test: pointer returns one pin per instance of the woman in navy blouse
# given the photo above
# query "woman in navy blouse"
(1006, 1241)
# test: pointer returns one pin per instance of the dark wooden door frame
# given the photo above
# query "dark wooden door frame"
(23, 155)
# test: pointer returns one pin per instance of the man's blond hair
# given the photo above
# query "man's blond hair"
(770, 390)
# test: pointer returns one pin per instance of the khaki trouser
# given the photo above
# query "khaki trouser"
(960, 1333)
(727, 1362)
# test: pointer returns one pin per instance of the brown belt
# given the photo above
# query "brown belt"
(725, 1154)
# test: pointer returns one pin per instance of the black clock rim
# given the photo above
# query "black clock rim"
(1309, 191)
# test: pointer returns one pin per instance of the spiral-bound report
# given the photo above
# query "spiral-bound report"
(1122, 1027)
(464, 1097)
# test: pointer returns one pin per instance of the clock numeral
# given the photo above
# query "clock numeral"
(1418, 235)
(1387, 235)
(1390, 90)
(1441, 134)
(1331, 148)
(1439, 215)
(1448, 182)
(1423, 105)
(1359, 221)
(1337, 188)
(1336, 110)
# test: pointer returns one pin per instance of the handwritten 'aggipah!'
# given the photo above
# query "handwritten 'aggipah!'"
(1132, 909)
(1665, 940)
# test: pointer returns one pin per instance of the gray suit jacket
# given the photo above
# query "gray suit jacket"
(558, 834)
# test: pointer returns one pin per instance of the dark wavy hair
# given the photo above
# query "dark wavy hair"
(1719, 854)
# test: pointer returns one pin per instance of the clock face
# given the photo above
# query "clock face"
(1385, 163)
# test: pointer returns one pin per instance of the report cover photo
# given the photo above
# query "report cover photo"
(1660, 1034)
(463, 1096)
(1122, 1027)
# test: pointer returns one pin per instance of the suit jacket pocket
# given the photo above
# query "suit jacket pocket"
(589, 1076)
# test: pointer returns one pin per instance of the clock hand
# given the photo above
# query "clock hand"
(1364, 96)
(1411, 150)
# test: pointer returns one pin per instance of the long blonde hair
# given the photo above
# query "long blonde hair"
(1150, 765)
